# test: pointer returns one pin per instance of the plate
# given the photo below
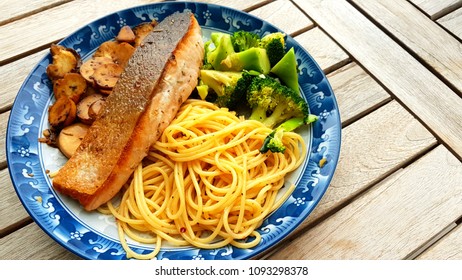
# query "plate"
(93, 235)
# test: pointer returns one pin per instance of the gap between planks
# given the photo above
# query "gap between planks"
(32, 12)
(433, 240)
(436, 14)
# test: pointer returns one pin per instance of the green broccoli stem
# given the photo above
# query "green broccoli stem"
(251, 59)
(258, 114)
(294, 123)
(291, 124)
(273, 142)
(276, 116)
(310, 118)
(223, 48)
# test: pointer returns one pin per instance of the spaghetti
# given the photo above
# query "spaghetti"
(205, 183)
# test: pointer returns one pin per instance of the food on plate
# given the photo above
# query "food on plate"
(62, 113)
(275, 46)
(86, 112)
(205, 183)
(142, 30)
(279, 108)
(286, 70)
(118, 52)
(221, 55)
(273, 103)
(126, 34)
(158, 78)
(64, 60)
(74, 80)
(229, 87)
(87, 69)
(106, 75)
(213, 176)
(274, 141)
(245, 50)
(70, 137)
(267, 82)
(95, 108)
(71, 85)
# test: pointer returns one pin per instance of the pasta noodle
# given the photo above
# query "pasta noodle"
(205, 183)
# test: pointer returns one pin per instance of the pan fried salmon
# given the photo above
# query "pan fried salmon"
(158, 78)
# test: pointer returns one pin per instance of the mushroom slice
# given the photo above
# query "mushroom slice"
(107, 75)
(72, 85)
(118, 52)
(64, 60)
(70, 137)
(62, 113)
(83, 108)
(126, 34)
(88, 67)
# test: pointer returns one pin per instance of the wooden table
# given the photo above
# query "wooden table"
(396, 70)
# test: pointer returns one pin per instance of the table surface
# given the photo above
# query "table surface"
(396, 70)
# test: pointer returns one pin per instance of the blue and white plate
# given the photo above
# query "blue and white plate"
(93, 235)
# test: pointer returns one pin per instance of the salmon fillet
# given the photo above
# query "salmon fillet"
(158, 78)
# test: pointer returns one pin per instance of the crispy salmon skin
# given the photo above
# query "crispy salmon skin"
(158, 78)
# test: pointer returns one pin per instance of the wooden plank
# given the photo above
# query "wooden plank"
(324, 50)
(14, 9)
(276, 14)
(453, 22)
(443, 54)
(12, 212)
(435, 9)
(433, 102)
(31, 243)
(392, 219)
(448, 248)
(357, 93)
(3, 125)
(13, 76)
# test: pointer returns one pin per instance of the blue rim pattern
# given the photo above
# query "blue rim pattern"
(26, 122)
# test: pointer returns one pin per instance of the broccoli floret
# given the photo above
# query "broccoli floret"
(240, 51)
(243, 40)
(207, 50)
(274, 43)
(275, 51)
(273, 142)
(222, 47)
(273, 103)
(230, 87)
(254, 58)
